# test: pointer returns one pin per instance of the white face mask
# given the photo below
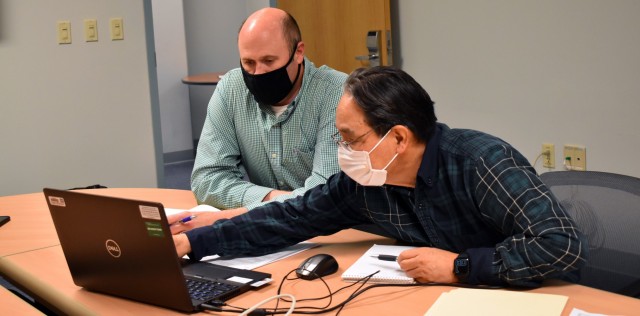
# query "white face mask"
(357, 165)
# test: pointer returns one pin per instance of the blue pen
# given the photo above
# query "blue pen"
(187, 219)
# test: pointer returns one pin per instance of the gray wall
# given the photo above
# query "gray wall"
(212, 30)
(532, 72)
(529, 72)
(171, 58)
(81, 113)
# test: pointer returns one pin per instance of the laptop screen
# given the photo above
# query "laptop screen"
(124, 247)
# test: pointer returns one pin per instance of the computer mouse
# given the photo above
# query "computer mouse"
(317, 266)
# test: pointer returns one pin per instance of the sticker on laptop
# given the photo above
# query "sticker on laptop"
(239, 279)
(150, 212)
(154, 229)
(57, 201)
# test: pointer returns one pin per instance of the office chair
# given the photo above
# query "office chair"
(606, 208)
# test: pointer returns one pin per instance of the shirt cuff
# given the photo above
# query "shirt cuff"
(202, 241)
(481, 270)
(254, 195)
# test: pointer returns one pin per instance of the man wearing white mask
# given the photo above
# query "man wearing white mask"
(470, 201)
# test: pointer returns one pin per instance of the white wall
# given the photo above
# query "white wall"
(75, 114)
(532, 72)
(171, 58)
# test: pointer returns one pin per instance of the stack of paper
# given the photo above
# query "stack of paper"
(497, 303)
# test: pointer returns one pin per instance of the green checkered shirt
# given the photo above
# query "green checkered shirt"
(291, 152)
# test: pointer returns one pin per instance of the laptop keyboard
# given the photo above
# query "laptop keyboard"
(205, 290)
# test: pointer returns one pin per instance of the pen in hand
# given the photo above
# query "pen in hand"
(386, 257)
(186, 219)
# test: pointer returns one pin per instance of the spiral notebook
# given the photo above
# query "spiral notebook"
(390, 271)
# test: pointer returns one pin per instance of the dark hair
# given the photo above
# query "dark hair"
(291, 31)
(389, 96)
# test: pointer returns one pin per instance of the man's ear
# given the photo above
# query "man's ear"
(299, 52)
(402, 136)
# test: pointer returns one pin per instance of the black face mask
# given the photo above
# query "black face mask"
(271, 87)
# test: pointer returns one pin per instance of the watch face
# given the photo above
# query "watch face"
(461, 265)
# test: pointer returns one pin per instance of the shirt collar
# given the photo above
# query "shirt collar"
(428, 170)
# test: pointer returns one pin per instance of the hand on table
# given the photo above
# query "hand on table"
(427, 264)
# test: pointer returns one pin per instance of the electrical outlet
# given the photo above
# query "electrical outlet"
(548, 155)
(575, 157)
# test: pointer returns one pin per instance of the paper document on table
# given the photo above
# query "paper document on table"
(388, 271)
(579, 312)
(250, 263)
(244, 262)
(497, 303)
(199, 208)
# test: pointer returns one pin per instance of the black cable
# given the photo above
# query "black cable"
(325, 309)
(280, 288)
(312, 310)
(360, 291)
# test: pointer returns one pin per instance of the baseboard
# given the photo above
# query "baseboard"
(178, 156)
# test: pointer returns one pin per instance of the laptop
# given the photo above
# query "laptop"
(124, 247)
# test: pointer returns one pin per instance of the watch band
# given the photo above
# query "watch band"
(461, 267)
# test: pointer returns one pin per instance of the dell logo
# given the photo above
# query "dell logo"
(113, 248)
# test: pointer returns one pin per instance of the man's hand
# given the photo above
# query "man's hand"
(182, 244)
(273, 194)
(200, 219)
(428, 265)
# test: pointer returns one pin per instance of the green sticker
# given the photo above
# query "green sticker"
(154, 229)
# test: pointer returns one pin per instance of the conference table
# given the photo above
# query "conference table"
(32, 259)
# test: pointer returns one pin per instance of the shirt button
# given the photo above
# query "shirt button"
(280, 182)
(274, 155)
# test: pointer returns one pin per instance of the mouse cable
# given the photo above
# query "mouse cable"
(253, 310)
(254, 307)
(276, 310)
(311, 310)
(361, 290)
(286, 277)
(329, 296)
(326, 308)
(330, 293)
(280, 288)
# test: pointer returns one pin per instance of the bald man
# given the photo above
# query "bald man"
(273, 117)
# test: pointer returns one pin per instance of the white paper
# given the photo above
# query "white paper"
(368, 263)
(250, 263)
(497, 303)
(579, 312)
(199, 208)
(245, 262)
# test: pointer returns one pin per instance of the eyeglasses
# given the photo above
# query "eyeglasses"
(345, 144)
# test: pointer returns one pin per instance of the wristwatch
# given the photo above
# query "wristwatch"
(461, 267)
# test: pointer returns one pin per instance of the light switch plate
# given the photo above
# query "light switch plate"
(64, 32)
(117, 29)
(90, 30)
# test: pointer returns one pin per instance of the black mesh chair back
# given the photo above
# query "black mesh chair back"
(606, 207)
